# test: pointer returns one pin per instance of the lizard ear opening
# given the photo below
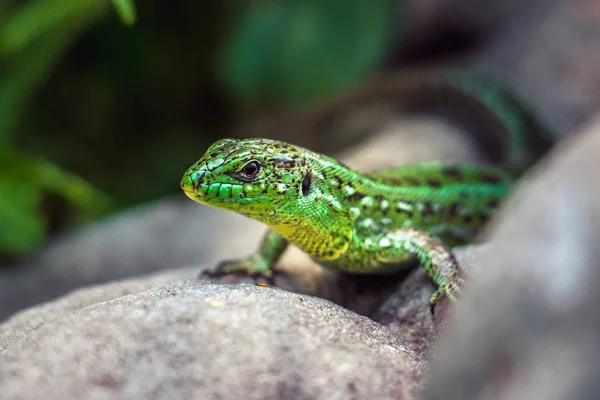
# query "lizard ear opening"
(306, 182)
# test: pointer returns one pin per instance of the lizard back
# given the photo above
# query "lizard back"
(450, 200)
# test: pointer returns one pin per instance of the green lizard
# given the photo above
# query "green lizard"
(342, 218)
(359, 223)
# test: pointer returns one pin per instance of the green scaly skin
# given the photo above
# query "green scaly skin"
(359, 223)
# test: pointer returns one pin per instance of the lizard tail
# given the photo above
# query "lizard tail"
(500, 120)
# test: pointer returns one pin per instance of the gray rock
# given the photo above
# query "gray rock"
(406, 311)
(167, 234)
(190, 339)
(539, 39)
(529, 327)
(170, 336)
(546, 49)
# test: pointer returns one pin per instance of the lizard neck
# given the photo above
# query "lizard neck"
(319, 221)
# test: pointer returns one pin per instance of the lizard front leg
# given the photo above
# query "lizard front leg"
(258, 264)
(433, 254)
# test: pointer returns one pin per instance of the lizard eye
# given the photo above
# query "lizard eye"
(251, 169)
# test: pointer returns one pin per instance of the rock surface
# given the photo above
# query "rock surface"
(547, 49)
(191, 339)
(550, 54)
(170, 336)
(529, 327)
(168, 234)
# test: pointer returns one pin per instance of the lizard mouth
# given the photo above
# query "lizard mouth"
(191, 195)
(190, 187)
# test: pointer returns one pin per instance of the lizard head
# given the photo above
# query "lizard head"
(254, 177)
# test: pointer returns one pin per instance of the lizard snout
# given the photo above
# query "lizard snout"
(190, 182)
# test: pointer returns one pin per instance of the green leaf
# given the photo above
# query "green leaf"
(23, 181)
(301, 51)
(47, 176)
(36, 18)
(246, 64)
(32, 39)
(126, 11)
(74, 189)
(39, 47)
(21, 226)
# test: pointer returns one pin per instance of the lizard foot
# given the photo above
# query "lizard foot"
(451, 290)
(252, 266)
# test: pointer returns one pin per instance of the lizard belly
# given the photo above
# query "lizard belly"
(359, 260)
(362, 253)
(322, 246)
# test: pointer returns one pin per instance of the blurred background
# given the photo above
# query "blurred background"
(104, 104)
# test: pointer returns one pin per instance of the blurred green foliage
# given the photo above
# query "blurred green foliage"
(22, 182)
(34, 36)
(127, 98)
(302, 51)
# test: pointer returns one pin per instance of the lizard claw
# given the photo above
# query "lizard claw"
(451, 290)
(223, 268)
(242, 267)
(217, 272)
